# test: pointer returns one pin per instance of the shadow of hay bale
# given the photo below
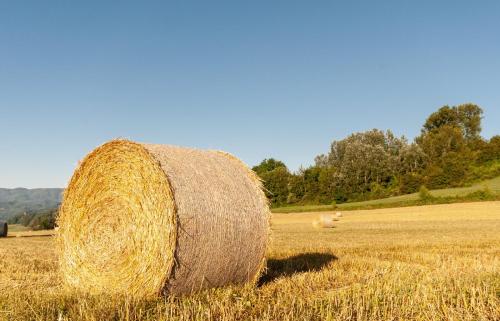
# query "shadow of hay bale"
(305, 262)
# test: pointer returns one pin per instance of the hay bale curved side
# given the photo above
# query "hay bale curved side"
(258, 182)
(141, 219)
(223, 218)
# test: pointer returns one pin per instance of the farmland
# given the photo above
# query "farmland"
(429, 262)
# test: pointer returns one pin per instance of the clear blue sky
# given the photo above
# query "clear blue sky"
(256, 78)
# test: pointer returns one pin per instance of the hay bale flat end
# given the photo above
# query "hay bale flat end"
(4, 229)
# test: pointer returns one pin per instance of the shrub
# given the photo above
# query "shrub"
(424, 193)
(484, 194)
(410, 183)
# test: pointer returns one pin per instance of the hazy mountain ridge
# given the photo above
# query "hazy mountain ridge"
(19, 200)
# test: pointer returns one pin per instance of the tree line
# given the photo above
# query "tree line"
(449, 152)
(36, 220)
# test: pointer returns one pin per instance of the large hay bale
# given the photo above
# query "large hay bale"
(4, 229)
(142, 219)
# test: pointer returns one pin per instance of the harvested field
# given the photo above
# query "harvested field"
(437, 262)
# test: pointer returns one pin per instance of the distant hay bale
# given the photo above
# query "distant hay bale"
(338, 214)
(143, 219)
(325, 221)
(4, 229)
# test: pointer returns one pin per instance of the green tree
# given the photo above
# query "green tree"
(374, 163)
(490, 150)
(466, 117)
(451, 140)
(470, 116)
(412, 162)
(311, 184)
(296, 189)
(449, 157)
(439, 142)
(410, 182)
(275, 176)
(364, 161)
(445, 116)
(268, 165)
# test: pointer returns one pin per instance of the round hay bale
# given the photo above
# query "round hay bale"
(4, 229)
(325, 221)
(143, 219)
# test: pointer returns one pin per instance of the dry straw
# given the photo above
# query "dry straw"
(4, 229)
(142, 219)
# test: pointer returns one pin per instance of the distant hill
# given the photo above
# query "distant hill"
(19, 200)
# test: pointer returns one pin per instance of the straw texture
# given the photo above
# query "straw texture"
(4, 229)
(144, 219)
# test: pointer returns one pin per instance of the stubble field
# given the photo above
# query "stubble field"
(438, 262)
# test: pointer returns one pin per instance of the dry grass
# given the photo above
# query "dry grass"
(437, 262)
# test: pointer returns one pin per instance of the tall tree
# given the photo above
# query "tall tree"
(470, 116)
(412, 159)
(364, 159)
(268, 165)
(439, 142)
(491, 150)
(466, 117)
(275, 176)
(451, 139)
